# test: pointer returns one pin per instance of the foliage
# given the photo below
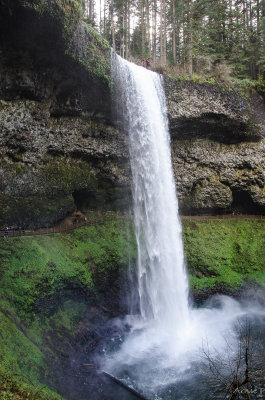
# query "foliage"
(224, 253)
(34, 275)
(198, 36)
(81, 41)
(35, 268)
(11, 390)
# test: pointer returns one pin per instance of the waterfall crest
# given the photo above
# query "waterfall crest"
(160, 354)
(162, 281)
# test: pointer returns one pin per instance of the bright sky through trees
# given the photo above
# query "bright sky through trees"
(196, 36)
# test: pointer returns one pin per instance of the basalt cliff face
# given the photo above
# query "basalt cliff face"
(61, 151)
(218, 147)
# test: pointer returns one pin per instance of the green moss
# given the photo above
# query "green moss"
(237, 93)
(224, 253)
(67, 12)
(95, 53)
(81, 42)
(54, 183)
(34, 211)
(13, 389)
(35, 268)
(243, 85)
(63, 176)
(38, 277)
(21, 359)
(39, 274)
(195, 79)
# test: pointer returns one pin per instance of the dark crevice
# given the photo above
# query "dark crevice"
(217, 127)
(84, 199)
(104, 197)
(244, 204)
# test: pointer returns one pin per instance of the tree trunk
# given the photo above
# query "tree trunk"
(174, 32)
(104, 18)
(190, 39)
(91, 10)
(100, 28)
(112, 26)
(154, 31)
(128, 36)
(165, 34)
(143, 27)
(148, 28)
(123, 37)
(161, 32)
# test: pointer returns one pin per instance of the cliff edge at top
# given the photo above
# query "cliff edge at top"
(61, 150)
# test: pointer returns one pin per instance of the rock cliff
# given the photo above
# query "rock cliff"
(61, 150)
(218, 147)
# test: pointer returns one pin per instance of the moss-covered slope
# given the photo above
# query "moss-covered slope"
(51, 284)
(224, 254)
(47, 285)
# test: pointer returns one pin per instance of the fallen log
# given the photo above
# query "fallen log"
(122, 384)
(89, 365)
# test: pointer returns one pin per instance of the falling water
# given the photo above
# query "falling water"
(165, 343)
(162, 282)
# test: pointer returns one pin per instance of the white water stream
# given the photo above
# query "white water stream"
(167, 336)
(162, 280)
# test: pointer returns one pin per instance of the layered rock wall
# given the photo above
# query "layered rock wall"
(61, 150)
(218, 147)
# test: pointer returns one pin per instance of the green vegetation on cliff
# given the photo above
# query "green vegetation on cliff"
(81, 42)
(224, 254)
(63, 21)
(46, 284)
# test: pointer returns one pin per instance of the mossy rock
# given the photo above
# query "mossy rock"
(224, 254)
(80, 41)
(43, 196)
(47, 284)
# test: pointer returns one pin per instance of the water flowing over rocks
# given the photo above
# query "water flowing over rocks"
(58, 141)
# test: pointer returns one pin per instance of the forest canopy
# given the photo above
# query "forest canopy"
(209, 37)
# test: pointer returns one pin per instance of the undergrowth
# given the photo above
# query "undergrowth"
(34, 275)
(224, 253)
(35, 271)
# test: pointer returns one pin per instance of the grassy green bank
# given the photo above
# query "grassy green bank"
(224, 254)
(47, 283)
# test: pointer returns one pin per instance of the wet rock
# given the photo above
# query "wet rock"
(214, 177)
(227, 114)
(55, 111)
(59, 142)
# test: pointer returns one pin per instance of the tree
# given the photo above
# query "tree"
(239, 365)
(184, 32)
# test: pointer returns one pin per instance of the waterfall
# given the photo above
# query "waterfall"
(162, 281)
(160, 354)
